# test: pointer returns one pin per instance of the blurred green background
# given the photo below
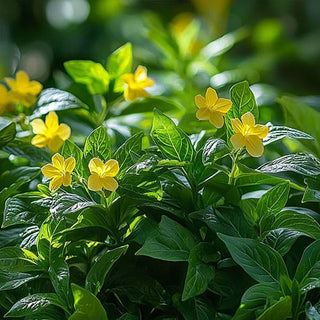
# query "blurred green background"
(279, 43)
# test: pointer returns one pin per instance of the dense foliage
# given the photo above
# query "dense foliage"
(119, 204)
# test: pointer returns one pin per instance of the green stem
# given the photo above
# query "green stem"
(235, 158)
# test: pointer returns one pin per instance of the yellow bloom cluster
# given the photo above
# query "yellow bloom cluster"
(135, 84)
(247, 133)
(102, 174)
(50, 133)
(22, 90)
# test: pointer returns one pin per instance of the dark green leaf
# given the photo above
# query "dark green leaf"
(261, 262)
(96, 275)
(281, 310)
(302, 163)
(172, 141)
(56, 100)
(7, 134)
(98, 144)
(172, 242)
(312, 312)
(89, 73)
(312, 192)
(69, 149)
(213, 150)
(86, 305)
(13, 280)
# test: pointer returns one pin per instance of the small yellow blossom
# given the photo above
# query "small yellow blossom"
(102, 174)
(5, 98)
(212, 108)
(135, 84)
(59, 171)
(50, 133)
(23, 90)
(248, 134)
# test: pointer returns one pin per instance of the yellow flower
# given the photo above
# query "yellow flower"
(23, 90)
(135, 84)
(102, 174)
(212, 108)
(59, 171)
(248, 134)
(50, 133)
(5, 98)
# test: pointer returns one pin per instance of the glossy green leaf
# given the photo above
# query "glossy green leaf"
(280, 310)
(213, 150)
(98, 144)
(261, 262)
(7, 134)
(172, 242)
(312, 192)
(312, 312)
(86, 305)
(172, 141)
(69, 149)
(89, 73)
(13, 280)
(97, 273)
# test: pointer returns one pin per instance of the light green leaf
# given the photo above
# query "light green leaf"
(98, 144)
(261, 262)
(280, 310)
(172, 242)
(96, 275)
(172, 141)
(89, 73)
(86, 305)
(7, 134)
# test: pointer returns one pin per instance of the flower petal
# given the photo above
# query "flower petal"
(238, 141)
(133, 94)
(22, 77)
(109, 183)
(70, 164)
(211, 97)
(38, 126)
(58, 161)
(200, 101)
(260, 131)
(254, 146)
(203, 114)
(96, 165)
(55, 183)
(55, 143)
(49, 171)
(39, 141)
(216, 118)
(94, 182)
(34, 87)
(248, 119)
(237, 126)
(127, 78)
(140, 74)
(52, 121)
(64, 131)
(111, 168)
(222, 105)
(67, 179)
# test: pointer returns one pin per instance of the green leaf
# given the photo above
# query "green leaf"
(281, 239)
(172, 141)
(119, 63)
(172, 242)
(98, 144)
(89, 73)
(199, 273)
(312, 312)
(261, 262)
(15, 259)
(281, 310)
(56, 100)
(148, 104)
(308, 270)
(13, 280)
(302, 117)
(279, 132)
(96, 275)
(302, 163)
(7, 134)
(255, 299)
(26, 150)
(34, 304)
(312, 192)
(299, 222)
(213, 150)
(86, 305)
(69, 149)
